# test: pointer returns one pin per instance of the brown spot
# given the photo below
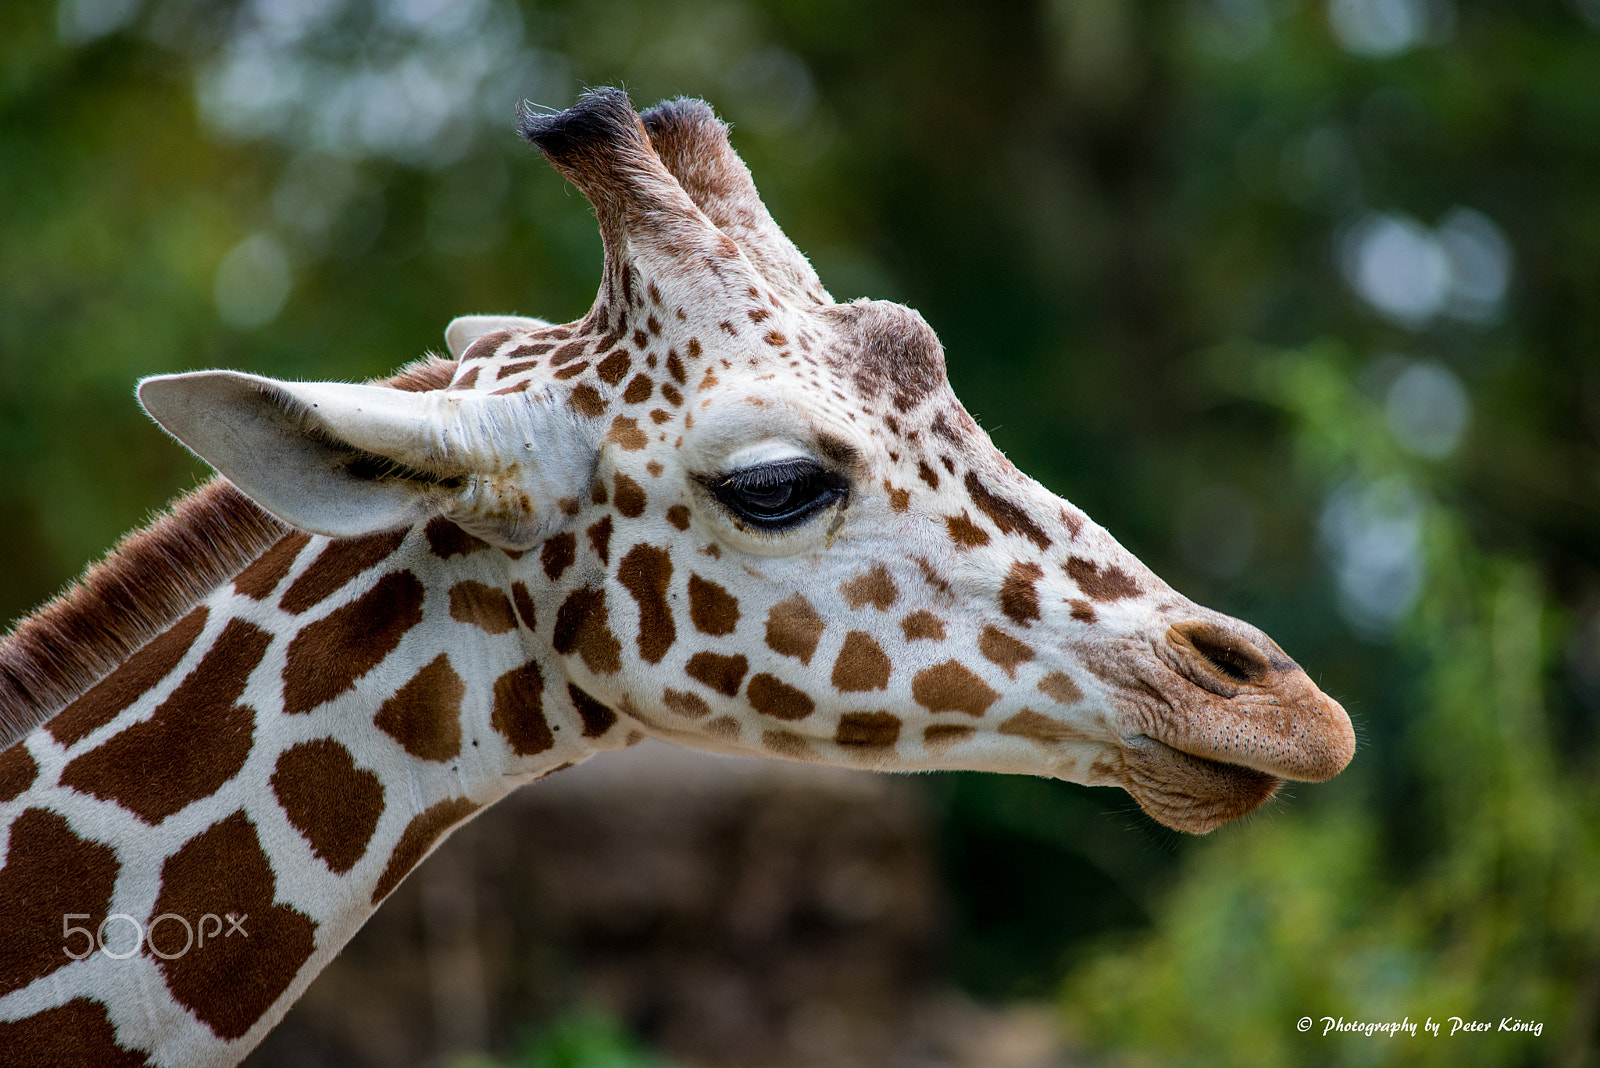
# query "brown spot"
(231, 985)
(678, 516)
(518, 713)
(684, 703)
(787, 744)
(482, 606)
(862, 664)
(942, 736)
(1060, 688)
(524, 605)
(597, 492)
(49, 871)
(758, 314)
(873, 587)
(1003, 650)
(572, 350)
(1009, 516)
(923, 624)
(659, 416)
(1083, 611)
(581, 627)
(646, 572)
(1018, 598)
(626, 433)
(599, 534)
(629, 495)
(794, 628)
(775, 339)
(263, 576)
(896, 352)
(327, 657)
(569, 506)
(129, 682)
(899, 499)
(951, 687)
(771, 697)
(1111, 584)
(469, 377)
(721, 673)
(557, 554)
(445, 539)
(614, 367)
(1040, 728)
(927, 474)
(932, 577)
(331, 802)
(75, 1035)
(194, 743)
(867, 730)
(724, 727)
(655, 468)
(17, 772)
(338, 563)
(713, 609)
(597, 718)
(639, 389)
(674, 398)
(675, 365)
(949, 433)
(424, 715)
(585, 400)
(964, 532)
(418, 838)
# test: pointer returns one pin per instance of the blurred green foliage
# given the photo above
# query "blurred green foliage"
(579, 1039)
(1298, 298)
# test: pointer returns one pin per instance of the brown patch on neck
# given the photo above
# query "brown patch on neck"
(78, 1032)
(143, 586)
(418, 838)
(236, 980)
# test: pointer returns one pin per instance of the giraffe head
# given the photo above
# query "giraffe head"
(759, 521)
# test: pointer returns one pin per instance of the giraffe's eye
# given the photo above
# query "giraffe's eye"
(777, 496)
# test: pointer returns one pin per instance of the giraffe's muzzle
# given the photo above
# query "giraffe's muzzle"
(1220, 721)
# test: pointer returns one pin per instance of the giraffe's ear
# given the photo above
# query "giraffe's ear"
(346, 460)
(465, 329)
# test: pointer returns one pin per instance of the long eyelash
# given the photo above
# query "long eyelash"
(770, 474)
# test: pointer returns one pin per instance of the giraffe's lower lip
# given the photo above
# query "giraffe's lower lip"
(1191, 793)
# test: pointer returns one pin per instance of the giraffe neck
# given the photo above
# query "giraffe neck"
(283, 755)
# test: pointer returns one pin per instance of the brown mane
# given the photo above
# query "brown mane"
(141, 587)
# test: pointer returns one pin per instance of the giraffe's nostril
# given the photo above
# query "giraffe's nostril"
(1231, 655)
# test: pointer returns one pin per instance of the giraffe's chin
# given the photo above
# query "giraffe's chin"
(1189, 793)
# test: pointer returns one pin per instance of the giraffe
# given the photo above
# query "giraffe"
(721, 509)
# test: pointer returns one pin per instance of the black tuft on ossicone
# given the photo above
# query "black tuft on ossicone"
(685, 114)
(602, 116)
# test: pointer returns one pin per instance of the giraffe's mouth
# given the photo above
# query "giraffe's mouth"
(1187, 792)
